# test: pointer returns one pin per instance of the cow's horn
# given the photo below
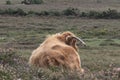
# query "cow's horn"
(80, 40)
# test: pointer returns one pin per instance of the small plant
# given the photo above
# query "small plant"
(8, 2)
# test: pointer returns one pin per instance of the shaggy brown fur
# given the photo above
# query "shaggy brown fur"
(57, 50)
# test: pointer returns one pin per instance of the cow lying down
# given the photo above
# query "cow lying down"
(58, 50)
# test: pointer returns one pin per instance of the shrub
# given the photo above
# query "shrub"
(8, 2)
(54, 13)
(93, 14)
(32, 2)
(1, 11)
(10, 11)
(32, 13)
(37, 1)
(112, 14)
(98, 1)
(71, 11)
(25, 2)
(108, 14)
(20, 12)
(83, 14)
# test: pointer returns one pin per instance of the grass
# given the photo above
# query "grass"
(24, 34)
(20, 35)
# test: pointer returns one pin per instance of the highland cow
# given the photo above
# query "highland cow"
(58, 50)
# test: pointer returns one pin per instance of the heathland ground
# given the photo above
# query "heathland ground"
(20, 35)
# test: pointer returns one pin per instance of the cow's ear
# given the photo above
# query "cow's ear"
(69, 40)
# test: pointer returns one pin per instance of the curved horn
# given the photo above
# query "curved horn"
(77, 38)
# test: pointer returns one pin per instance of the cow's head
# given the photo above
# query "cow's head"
(70, 39)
